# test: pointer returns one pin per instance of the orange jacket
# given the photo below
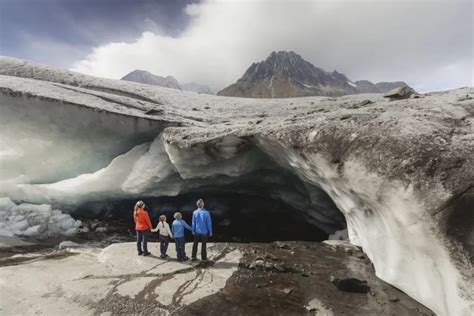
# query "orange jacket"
(142, 220)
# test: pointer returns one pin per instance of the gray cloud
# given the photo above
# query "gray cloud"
(427, 43)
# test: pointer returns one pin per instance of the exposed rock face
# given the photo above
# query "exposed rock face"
(286, 74)
(142, 76)
(401, 172)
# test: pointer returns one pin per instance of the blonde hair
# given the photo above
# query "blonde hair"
(177, 215)
(162, 218)
(137, 206)
(200, 203)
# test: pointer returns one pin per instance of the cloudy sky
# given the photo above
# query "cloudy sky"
(427, 43)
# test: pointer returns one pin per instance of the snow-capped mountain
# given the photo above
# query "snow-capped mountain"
(143, 76)
(287, 74)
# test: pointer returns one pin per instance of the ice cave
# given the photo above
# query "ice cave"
(398, 177)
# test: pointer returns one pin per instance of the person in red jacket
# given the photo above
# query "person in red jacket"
(142, 227)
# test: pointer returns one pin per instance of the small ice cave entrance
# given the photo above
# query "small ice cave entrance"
(251, 197)
(238, 215)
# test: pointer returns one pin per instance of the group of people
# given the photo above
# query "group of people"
(201, 228)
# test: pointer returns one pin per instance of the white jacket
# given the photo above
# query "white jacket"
(164, 229)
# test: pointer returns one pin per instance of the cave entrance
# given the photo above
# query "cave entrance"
(236, 217)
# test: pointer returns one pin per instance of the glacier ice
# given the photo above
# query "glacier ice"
(30, 220)
(400, 173)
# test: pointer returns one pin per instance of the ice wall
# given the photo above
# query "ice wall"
(391, 221)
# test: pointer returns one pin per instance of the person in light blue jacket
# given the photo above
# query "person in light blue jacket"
(177, 228)
(202, 229)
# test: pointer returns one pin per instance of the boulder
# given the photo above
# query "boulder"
(351, 285)
(399, 93)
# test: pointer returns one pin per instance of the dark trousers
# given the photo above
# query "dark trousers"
(164, 241)
(142, 240)
(203, 239)
(179, 242)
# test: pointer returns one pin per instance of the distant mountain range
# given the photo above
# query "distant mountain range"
(287, 74)
(142, 76)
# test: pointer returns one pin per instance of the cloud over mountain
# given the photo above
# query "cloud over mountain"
(427, 43)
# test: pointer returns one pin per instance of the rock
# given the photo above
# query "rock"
(94, 225)
(287, 290)
(365, 102)
(351, 285)
(282, 245)
(68, 244)
(257, 264)
(345, 117)
(84, 229)
(101, 229)
(344, 245)
(399, 93)
(268, 265)
(279, 268)
(394, 299)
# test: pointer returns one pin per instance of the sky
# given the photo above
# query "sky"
(427, 43)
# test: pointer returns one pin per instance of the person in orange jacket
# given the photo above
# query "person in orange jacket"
(142, 227)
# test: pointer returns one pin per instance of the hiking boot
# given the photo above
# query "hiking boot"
(147, 254)
(140, 253)
(193, 259)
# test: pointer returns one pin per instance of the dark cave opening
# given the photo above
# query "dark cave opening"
(236, 217)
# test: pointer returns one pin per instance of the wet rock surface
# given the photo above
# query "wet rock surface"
(303, 286)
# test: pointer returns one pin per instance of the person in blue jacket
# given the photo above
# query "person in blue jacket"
(177, 228)
(202, 229)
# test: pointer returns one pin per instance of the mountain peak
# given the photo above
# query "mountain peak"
(143, 76)
(286, 74)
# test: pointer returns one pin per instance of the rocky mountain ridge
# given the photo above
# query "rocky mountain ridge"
(145, 77)
(287, 74)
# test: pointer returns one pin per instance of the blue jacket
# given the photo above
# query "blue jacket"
(202, 222)
(178, 227)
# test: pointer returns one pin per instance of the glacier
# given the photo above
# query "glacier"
(399, 174)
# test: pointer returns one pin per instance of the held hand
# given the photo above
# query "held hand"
(210, 235)
(194, 233)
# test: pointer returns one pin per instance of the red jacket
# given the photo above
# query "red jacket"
(142, 220)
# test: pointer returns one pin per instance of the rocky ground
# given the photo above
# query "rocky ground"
(281, 278)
